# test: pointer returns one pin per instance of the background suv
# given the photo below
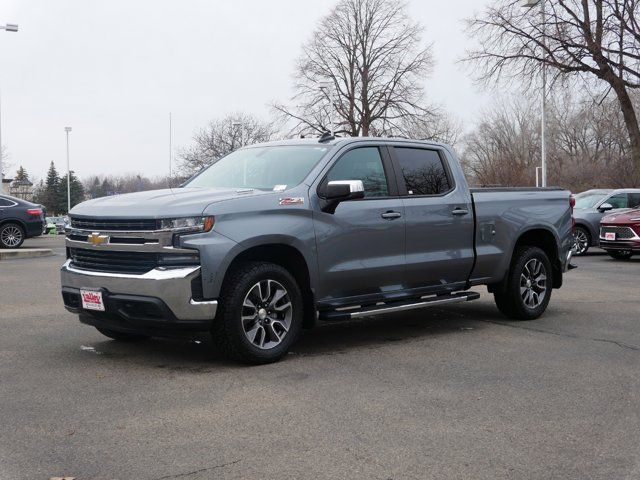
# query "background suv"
(591, 206)
(19, 220)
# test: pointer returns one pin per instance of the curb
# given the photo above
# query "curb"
(12, 254)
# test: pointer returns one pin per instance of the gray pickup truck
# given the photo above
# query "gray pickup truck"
(275, 237)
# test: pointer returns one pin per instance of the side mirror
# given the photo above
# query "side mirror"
(338, 191)
(605, 207)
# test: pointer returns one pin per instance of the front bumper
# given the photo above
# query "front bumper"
(160, 298)
(633, 245)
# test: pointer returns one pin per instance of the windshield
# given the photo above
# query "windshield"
(589, 199)
(262, 168)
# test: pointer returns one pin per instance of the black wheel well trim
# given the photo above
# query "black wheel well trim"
(288, 257)
(586, 227)
(550, 245)
(23, 225)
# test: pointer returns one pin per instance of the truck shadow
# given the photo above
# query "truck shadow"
(200, 356)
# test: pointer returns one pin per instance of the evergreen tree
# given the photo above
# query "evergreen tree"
(77, 192)
(22, 174)
(49, 194)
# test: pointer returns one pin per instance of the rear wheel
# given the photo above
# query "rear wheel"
(620, 254)
(122, 336)
(260, 315)
(11, 235)
(529, 284)
(582, 241)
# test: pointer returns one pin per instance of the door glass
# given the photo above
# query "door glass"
(618, 201)
(634, 199)
(362, 164)
(423, 171)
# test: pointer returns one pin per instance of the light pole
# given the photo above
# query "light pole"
(67, 130)
(9, 27)
(543, 121)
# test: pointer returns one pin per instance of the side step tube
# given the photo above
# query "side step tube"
(392, 307)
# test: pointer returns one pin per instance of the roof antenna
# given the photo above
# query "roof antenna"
(326, 137)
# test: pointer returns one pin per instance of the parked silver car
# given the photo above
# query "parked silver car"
(591, 206)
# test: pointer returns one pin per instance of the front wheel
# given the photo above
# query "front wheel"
(620, 254)
(260, 313)
(529, 284)
(11, 235)
(582, 240)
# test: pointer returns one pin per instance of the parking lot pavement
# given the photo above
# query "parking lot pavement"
(456, 392)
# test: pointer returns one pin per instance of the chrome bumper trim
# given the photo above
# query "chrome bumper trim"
(173, 286)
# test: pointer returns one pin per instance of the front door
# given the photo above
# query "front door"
(361, 245)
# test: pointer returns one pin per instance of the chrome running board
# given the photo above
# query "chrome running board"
(393, 307)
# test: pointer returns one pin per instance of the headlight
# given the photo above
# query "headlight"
(186, 224)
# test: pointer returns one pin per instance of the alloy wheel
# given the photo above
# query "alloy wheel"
(266, 314)
(533, 283)
(11, 236)
(581, 241)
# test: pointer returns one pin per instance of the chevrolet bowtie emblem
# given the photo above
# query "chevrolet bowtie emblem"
(97, 239)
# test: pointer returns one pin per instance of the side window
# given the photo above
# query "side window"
(634, 199)
(5, 203)
(362, 164)
(423, 171)
(618, 200)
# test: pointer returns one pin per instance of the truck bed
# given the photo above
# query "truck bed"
(503, 214)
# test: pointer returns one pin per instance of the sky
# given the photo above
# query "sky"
(113, 70)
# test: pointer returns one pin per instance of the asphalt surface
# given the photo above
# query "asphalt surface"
(446, 393)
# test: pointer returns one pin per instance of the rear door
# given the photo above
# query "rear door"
(438, 219)
(361, 246)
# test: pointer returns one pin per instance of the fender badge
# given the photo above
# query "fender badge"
(291, 201)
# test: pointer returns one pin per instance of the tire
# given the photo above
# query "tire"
(255, 323)
(12, 235)
(529, 285)
(122, 336)
(582, 241)
(620, 254)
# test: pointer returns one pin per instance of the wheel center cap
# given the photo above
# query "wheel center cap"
(529, 283)
(262, 314)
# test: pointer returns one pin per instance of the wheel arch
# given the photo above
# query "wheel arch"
(546, 240)
(289, 257)
(543, 238)
(589, 229)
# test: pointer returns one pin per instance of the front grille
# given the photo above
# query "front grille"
(99, 224)
(622, 233)
(113, 262)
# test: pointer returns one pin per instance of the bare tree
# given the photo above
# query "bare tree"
(221, 137)
(504, 148)
(588, 39)
(588, 145)
(362, 71)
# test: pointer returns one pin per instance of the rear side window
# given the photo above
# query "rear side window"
(423, 171)
(6, 203)
(362, 164)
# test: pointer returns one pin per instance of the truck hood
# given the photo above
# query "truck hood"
(623, 217)
(167, 203)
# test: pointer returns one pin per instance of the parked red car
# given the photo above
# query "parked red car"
(620, 234)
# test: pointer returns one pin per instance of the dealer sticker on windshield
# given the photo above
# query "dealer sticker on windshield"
(92, 300)
(610, 236)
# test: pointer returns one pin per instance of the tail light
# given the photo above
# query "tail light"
(572, 204)
(34, 211)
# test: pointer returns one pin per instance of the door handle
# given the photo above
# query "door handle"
(460, 211)
(390, 215)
